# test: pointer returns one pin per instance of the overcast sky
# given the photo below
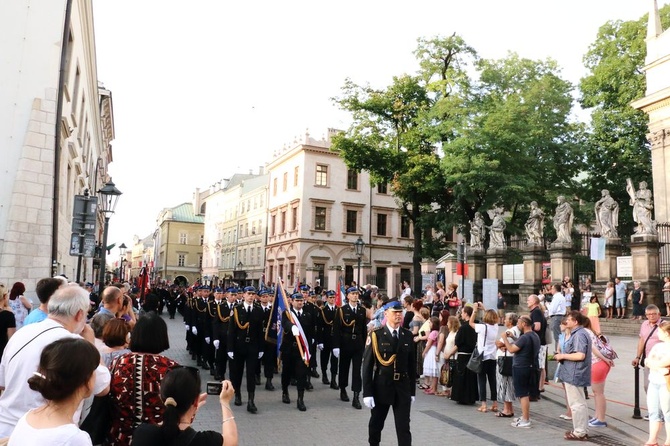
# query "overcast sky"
(203, 89)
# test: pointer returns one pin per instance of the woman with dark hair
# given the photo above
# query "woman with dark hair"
(180, 391)
(64, 377)
(19, 304)
(136, 377)
(464, 390)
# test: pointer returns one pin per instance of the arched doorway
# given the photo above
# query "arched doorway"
(181, 281)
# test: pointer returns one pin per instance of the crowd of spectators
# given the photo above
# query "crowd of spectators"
(68, 379)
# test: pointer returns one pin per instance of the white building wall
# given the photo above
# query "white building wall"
(30, 43)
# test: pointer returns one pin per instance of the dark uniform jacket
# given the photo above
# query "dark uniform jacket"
(288, 341)
(221, 312)
(324, 333)
(241, 337)
(349, 328)
(396, 379)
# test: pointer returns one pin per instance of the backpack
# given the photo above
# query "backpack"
(603, 345)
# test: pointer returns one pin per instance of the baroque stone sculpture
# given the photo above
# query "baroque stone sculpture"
(607, 215)
(563, 219)
(535, 225)
(477, 232)
(642, 203)
(497, 228)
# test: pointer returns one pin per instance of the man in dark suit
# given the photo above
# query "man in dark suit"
(294, 364)
(245, 338)
(325, 339)
(389, 376)
(349, 332)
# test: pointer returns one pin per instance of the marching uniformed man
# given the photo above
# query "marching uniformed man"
(201, 327)
(245, 338)
(311, 308)
(294, 358)
(216, 315)
(349, 333)
(269, 360)
(325, 340)
(389, 376)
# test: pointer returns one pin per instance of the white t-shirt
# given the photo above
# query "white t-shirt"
(67, 435)
(406, 292)
(27, 344)
(488, 346)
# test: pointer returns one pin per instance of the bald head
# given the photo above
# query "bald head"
(112, 298)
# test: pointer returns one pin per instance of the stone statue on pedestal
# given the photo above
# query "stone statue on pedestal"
(643, 204)
(535, 225)
(563, 219)
(497, 228)
(477, 232)
(607, 215)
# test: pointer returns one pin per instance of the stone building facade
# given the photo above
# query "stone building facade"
(178, 245)
(48, 157)
(318, 208)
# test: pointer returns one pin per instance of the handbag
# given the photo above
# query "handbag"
(605, 349)
(444, 374)
(475, 361)
(505, 365)
(454, 303)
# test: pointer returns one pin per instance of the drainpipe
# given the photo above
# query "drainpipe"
(57, 148)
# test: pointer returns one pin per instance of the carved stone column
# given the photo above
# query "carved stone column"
(644, 251)
(476, 271)
(562, 262)
(533, 256)
(606, 269)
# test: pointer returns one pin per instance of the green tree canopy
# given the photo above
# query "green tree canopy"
(516, 143)
(617, 147)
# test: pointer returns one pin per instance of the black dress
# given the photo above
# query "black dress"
(464, 390)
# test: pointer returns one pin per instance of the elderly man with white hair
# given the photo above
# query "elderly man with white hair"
(67, 309)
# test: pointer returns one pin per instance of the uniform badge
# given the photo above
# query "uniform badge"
(368, 340)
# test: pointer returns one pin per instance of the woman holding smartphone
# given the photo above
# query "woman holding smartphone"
(180, 391)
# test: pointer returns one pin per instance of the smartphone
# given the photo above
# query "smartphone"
(214, 387)
(422, 333)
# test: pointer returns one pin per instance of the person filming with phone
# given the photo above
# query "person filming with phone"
(180, 392)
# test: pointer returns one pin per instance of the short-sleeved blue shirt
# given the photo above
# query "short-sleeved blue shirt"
(577, 373)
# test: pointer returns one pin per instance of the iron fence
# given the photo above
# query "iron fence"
(664, 248)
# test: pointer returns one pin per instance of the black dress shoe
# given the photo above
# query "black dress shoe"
(309, 386)
(301, 405)
(269, 386)
(325, 379)
(238, 399)
(315, 374)
(204, 366)
(285, 398)
(343, 395)
(333, 385)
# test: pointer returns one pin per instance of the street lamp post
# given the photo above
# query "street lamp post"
(359, 246)
(122, 252)
(109, 196)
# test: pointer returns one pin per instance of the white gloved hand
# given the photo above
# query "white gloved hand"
(188, 328)
(336, 352)
(231, 355)
(369, 402)
(319, 346)
(260, 355)
(217, 343)
(208, 340)
(295, 330)
(194, 331)
(413, 398)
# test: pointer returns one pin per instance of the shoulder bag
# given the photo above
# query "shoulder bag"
(475, 361)
(505, 364)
